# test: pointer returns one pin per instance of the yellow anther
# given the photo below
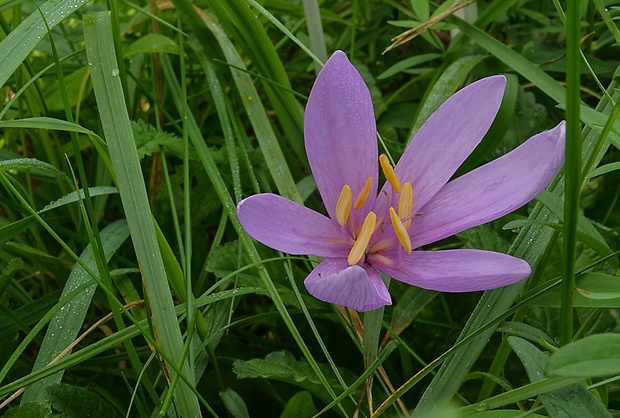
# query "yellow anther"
(405, 204)
(363, 194)
(343, 206)
(361, 243)
(390, 175)
(401, 231)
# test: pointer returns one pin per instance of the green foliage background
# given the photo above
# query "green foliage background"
(128, 133)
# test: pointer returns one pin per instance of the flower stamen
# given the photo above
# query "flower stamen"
(390, 175)
(363, 194)
(401, 231)
(343, 206)
(405, 204)
(363, 238)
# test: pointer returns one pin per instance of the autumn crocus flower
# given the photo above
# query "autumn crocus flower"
(365, 231)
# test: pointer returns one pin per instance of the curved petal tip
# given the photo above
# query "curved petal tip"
(336, 282)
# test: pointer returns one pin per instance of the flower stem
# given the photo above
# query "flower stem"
(572, 166)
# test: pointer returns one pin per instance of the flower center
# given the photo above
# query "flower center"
(400, 217)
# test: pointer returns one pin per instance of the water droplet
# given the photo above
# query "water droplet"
(115, 72)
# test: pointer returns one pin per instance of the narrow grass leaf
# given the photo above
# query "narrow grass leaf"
(449, 81)
(126, 164)
(20, 42)
(572, 401)
(270, 147)
(67, 323)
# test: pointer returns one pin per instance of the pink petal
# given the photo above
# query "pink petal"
(459, 270)
(340, 134)
(493, 190)
(360, 288)
(447, 138)
(290, 227)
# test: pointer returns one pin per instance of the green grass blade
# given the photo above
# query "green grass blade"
(572, 167)
(18, 44)
(124, 156)
(67, 323)
(270, 147)
(206, 158)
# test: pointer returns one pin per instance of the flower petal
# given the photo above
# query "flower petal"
(290, 227)
(360, 288)
(340, 134)
(447, 138)
(459, 270)
(492, 190)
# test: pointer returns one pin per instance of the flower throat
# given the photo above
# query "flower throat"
(401, 219)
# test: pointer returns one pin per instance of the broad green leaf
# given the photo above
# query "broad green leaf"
(234, 404)
(593, 356)
(29, 410)
(300, 405)
(594, 290)
(76, 402)
(77, 85)
(599, 286)
(282, 366)
(151, 43)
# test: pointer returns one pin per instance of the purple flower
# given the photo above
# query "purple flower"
(366, 231)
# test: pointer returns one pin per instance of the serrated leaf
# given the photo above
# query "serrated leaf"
(29, 410)
(149, 140)
(300, 405)
(9, 270)
(592, 356)
(282, 366)
(75, 402)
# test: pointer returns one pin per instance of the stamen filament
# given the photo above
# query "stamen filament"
(363, 238)
(405, 204)
(401, 231)
(343, 206)
(390, 175)
(363, 194)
